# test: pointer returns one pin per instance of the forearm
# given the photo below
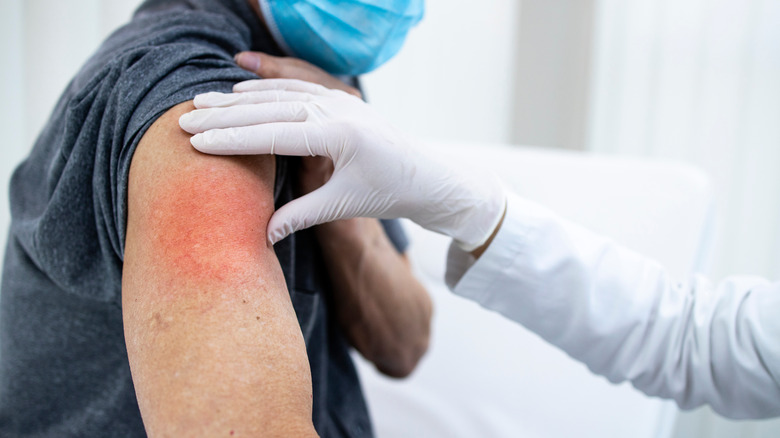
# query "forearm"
(384, 310)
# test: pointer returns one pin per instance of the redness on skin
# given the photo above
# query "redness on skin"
(201, 219)
(209, 224)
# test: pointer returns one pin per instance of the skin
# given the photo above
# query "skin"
(384, 311)
(213, 342)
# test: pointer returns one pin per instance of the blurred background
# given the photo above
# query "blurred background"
(694, 81)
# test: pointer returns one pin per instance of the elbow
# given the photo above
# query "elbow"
(401, 361)
(408, 364)
(407, 351)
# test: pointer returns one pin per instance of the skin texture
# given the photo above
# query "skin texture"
(213, 342)
(383, 309)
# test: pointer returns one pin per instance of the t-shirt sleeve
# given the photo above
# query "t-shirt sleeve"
(182, 83)
(183, 58)
(70, 195)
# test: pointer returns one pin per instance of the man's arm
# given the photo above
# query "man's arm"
(384, 310)
(213, 342)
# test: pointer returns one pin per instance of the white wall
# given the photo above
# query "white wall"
(506, 71)
(454, 79)
(552, 76)
(698, 81)
(59, 35)
(13, 108)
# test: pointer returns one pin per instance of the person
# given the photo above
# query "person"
(620, 313)
(139, 295)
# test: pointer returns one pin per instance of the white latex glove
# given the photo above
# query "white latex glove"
(378, 171)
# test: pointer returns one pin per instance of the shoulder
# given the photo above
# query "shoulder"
(194, 210)
(164, 154)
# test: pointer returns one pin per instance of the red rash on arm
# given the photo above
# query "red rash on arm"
(212, 338)
(205, 215)
(205, 229)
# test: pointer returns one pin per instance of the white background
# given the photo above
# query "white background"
(689, 80)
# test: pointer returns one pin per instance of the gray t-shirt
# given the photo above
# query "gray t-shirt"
(63, 363)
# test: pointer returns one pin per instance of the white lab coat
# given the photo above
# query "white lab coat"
(624, 317)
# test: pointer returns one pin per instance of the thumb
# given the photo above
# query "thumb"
(318, 207)
(252, 61)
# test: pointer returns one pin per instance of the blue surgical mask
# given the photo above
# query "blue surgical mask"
(343, 37)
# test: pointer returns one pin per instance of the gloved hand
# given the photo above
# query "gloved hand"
(379, 172)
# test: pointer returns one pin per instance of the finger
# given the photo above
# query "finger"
(318, 207)
(253, 61)
(270, 67)
(352, 90)
(295, 139)
(273, 67)
(292, 68)
(281, 84)
(215, 100)
(201, 120)
(285, 222)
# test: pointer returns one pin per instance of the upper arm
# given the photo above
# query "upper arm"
(212, 338)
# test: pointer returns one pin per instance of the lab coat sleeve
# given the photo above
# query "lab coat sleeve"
(623, 316)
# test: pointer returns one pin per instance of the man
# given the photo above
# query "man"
(139, 292)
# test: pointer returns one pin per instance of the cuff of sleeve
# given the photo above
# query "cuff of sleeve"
(475, 279)
(491, 215)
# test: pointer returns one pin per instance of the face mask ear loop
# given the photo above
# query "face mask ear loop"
(270, 21)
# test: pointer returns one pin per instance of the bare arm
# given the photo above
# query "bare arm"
(212, 338)
(383, 309)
